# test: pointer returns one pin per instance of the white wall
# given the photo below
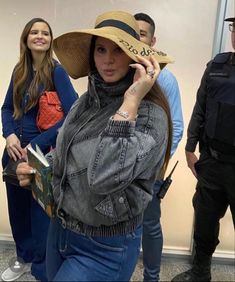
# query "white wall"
(185, 30)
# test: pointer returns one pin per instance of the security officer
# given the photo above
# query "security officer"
(212, 125)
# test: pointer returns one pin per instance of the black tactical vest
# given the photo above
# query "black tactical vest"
(220, 103)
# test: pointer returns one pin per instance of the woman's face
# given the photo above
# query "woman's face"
(39, 37)
(111, 62)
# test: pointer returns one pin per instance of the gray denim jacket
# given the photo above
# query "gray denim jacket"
(104, 170)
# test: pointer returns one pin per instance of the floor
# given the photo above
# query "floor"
(170, 267)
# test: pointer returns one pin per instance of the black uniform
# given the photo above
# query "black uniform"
(213, 125)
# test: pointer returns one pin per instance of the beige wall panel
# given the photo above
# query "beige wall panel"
(185, 30)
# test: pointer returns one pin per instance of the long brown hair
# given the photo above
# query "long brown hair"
(23, 78)
(157, 96)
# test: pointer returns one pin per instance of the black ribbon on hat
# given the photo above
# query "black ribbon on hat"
(121, 25)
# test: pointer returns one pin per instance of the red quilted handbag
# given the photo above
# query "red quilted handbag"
(50, 110)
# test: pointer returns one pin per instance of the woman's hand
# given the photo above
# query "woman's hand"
(14, 149)
(25, 174)
(145, 76)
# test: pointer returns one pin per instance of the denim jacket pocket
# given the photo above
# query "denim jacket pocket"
(115, 206)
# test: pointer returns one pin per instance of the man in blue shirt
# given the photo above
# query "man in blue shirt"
(152, 241)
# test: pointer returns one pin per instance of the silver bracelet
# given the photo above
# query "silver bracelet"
(122, 114)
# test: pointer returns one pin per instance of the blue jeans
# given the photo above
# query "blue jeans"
(75, 257)
(152, 241)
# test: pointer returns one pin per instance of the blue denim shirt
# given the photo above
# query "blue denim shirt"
(169, 85)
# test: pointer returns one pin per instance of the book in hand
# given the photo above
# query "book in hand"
(41, 183)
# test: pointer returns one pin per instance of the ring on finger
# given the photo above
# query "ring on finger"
(151, 73)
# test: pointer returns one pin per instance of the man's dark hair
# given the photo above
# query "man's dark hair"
(146, 18)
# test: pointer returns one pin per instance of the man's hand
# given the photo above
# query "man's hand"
(191, 160)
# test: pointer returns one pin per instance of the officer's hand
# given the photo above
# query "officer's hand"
(191, 160)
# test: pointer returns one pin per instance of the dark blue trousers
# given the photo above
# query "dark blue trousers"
(215, 192)
(29, 225)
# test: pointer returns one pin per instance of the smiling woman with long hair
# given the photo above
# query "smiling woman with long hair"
(35, 72)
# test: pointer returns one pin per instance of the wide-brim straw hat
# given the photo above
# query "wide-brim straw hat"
(72, 48)
(230, 20)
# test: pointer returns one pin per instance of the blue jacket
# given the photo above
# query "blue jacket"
(26, 126)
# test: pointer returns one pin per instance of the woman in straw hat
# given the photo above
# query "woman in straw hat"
(114, 142)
